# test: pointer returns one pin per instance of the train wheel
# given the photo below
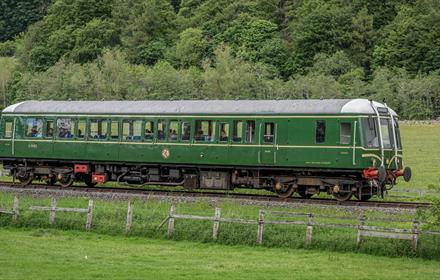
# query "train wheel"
(26, 179)
(342, 196)
(66, 181)
(284, 190)
(88, 181)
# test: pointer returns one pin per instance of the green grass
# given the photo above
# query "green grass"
(421, 148)
(55, 254)
(109, 218)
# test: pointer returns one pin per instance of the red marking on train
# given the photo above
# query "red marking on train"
(98, 178)
(81, 168)
(165, 153)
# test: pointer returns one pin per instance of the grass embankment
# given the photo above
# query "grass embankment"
(110, 216)
(53, 254)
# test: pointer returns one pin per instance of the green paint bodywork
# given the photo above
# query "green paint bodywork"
(295, 144)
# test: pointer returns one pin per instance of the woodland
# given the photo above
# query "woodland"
(385, 50)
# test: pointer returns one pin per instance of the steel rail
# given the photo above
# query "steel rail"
(228, 195)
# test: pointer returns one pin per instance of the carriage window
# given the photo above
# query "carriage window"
(205, 131)
(34, 128)
(161, 129)
(386, 131)
(320, 132)
(149, 130)
(186, 131)
(238, 131)
(131, 130)
(114, 130)
(49, 129)
(224, 132)
(250, 131)
(81, 129)
(269, 132)
(8, 129)
(174, 127)
(98, 129)
(345, 133)
(65, 128)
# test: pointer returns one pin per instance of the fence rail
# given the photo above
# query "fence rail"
(15, 212)
(363, 230)
(265, 218)
(53, 209)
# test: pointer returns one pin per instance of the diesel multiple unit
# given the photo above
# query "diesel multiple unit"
(341, 147)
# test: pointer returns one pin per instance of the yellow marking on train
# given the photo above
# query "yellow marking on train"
(192, 144)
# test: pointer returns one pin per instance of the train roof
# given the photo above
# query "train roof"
(222, 107)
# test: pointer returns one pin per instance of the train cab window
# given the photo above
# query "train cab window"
(345, 133)
(371, 135)
(98, 129)
(149, 130)
(186, 131)
(269, 132)
(114, 130)
(320, 132)
(49, 129)
(224, 132)
(8, 129)
(205, 131)
(65, 128)
(250, 131)
(131, 130)
(161, 129)
(238, 131)
(34, 128)
(172, 133)
(81, 128)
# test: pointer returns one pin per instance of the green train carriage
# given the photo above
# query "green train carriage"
(341, 147)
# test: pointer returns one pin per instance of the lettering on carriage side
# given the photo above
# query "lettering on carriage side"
(32, 146)
(165, 153)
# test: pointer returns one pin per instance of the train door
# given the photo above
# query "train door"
(6, 146)
(268, 138)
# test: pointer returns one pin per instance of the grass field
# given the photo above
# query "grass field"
(421, 147)
(54, 254)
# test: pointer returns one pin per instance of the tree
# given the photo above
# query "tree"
(16, 16)
(149, 30)
(229, 77)
(191, 47)
(8, 66)
(319, 27)
(411, 40)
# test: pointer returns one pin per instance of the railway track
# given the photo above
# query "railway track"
(216, 195)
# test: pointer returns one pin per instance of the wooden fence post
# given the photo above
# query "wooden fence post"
(360, 228)
(216, 223)
(89, 215)
(53, 206)
(309, 230)
(415, 233)
(171, 220)
(260, 229)
(15, 209)
(129, 216)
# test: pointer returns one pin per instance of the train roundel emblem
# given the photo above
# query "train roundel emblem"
(165, 153)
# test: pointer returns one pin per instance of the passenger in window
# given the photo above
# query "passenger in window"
(160, 134)
(173, 135)
(199, 135)
(223, 136)
(50, 132)
(35, 132)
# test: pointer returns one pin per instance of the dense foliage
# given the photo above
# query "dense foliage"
(162, 49)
